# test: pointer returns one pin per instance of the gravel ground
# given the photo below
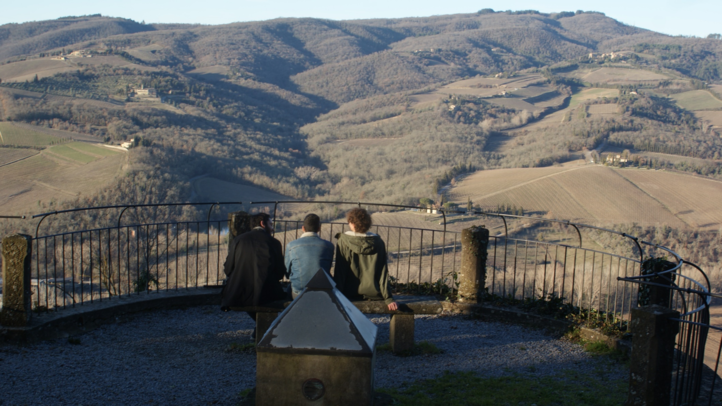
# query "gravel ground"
(191, 357)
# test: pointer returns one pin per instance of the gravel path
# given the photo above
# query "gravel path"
(191, 357)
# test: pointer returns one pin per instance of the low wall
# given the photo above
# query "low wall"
(552, 326)
(83, 318)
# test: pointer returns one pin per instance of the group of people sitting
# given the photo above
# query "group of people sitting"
(255, 264)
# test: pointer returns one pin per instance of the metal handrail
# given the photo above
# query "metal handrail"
(80, 248)
(275, 203)
(126, 207)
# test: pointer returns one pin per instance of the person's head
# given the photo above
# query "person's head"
(360, 219)
(262, 220)
(311, 223)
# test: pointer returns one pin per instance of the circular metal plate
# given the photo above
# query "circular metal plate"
(313, 389)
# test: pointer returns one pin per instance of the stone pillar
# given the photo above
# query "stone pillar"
(17, 251)
(239, 222)
(656, 295)
(472, 276)
(401, 332)
(650, 372)
(263, 322)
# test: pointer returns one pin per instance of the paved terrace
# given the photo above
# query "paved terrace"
(193, 356)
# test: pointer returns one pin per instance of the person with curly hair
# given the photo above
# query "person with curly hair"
(361, 271)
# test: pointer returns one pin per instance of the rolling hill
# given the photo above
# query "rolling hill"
(388, 109)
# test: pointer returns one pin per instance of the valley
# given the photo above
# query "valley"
(535, 110)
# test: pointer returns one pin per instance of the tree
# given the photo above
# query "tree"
(450, 206)
(469, 205)
(714, 36)
(35, 79)
(426, 202)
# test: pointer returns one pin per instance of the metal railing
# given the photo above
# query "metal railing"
(76, 267)
(695, 372)
(73, 267)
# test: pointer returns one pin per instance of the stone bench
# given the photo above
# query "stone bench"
(402, 320)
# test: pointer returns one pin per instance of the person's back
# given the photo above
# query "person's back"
(254, 267)
(307, 254)
(361, 271)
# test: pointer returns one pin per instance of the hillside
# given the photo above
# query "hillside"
(594, 194)
(388, 109)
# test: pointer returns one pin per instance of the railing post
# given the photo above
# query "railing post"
(17, 251)
(238, 223)
(659, 293)
(650, 373)
(472, 276)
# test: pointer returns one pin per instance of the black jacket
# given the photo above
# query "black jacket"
(254, 267)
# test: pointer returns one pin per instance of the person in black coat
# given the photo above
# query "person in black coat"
(254, 267)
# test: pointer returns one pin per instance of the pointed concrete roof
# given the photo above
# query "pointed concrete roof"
(321, 320)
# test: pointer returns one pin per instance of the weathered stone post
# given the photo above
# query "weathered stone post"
(656, 295)
(239, 222)
(472, 276)
(401, 334)
(650, 373)
(17, 251)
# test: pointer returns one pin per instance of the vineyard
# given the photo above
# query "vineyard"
(598, 194)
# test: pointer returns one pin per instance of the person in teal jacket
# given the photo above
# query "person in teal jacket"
(361, 271)
(307, 254)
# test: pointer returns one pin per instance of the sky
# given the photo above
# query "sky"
(674, 17)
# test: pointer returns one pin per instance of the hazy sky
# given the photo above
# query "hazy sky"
(692, 17)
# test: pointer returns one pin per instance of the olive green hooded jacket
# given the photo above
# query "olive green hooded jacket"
(361, 271)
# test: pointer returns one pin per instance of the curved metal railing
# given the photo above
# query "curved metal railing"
(71, 268)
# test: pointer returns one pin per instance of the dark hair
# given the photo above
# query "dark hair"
(256, 219)
(311, 223)
(360, 218)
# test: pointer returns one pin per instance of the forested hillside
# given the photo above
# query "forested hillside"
(387, 109)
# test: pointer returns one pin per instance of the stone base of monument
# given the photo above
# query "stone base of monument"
(319, 351)
(379, 399)
(312, 378)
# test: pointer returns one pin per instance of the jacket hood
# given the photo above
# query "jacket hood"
(362, 245)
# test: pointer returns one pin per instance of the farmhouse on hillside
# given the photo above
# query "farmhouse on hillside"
(149, 92)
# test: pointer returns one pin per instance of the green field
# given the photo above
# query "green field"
(525, 86)
(595, 194)
(697, 100)
(8, 155)
(713, 117)
(26, 70)
(617, 75)
(13, 135)
(92, 149)
(44, 177)
(69, 153)
(591, 94)
(604, 109)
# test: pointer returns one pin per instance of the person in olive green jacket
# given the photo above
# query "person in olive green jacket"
(361, 271)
